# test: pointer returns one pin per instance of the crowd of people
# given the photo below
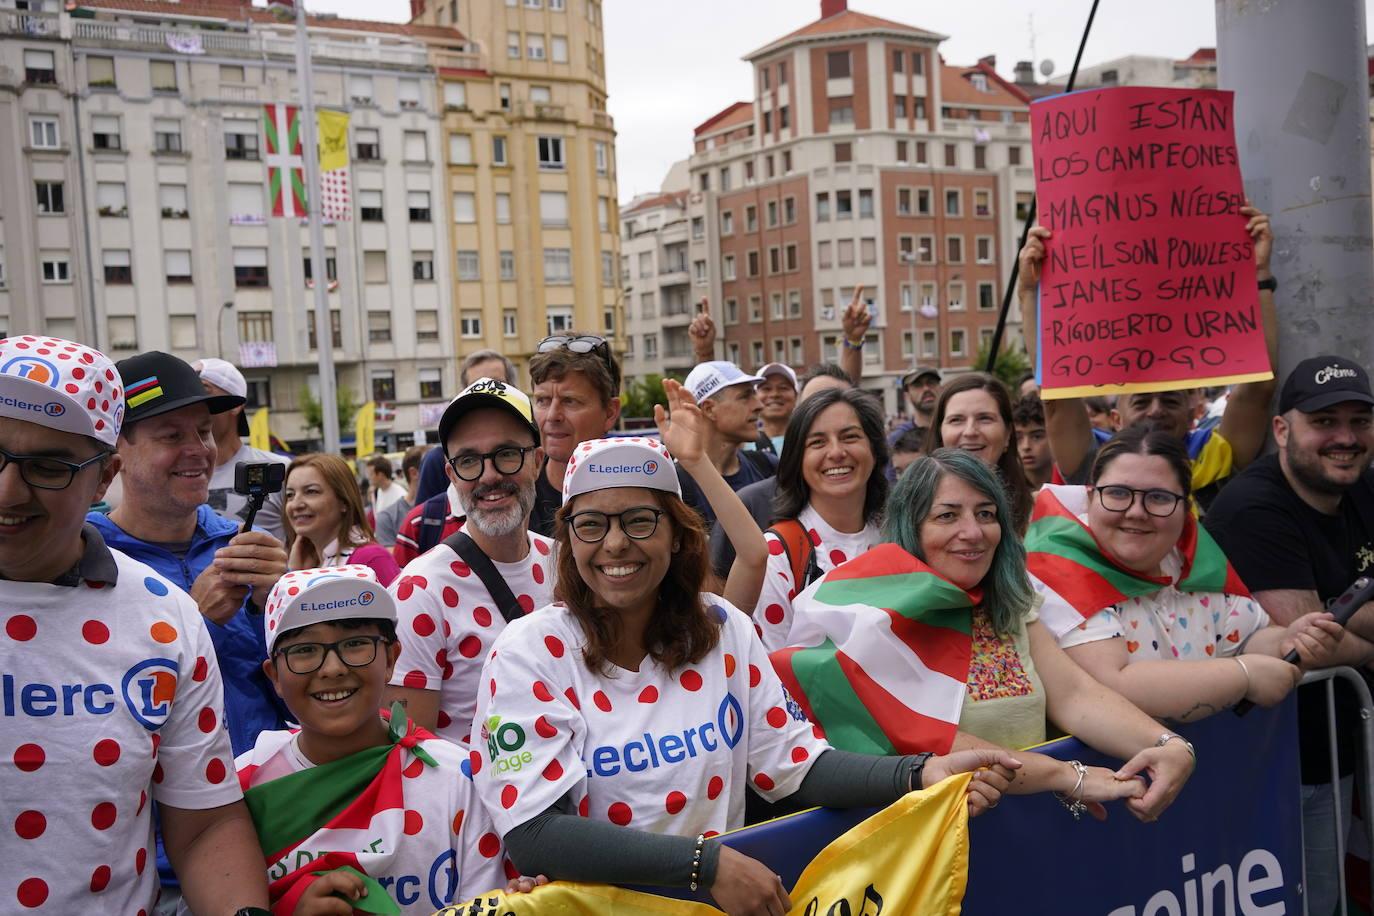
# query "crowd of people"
(544, 650)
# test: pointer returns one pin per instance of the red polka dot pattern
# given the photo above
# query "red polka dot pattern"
(554, 771)
(103, 816)
(763, 781)
(690, 680)
(649, 694)
(106, 752)
(21, 628)
(95, 632)
(33, 892)
(29, 757)
(714, 787)
(675, 802)
(620, 813)
(30, 825)
(414, 823)
(602, 701)
(544, 728)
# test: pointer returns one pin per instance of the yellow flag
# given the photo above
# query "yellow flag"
(365, 430)
(910, 859)
(259, 432)
(333, 131)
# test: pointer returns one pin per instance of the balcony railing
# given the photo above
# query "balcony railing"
(20, 22)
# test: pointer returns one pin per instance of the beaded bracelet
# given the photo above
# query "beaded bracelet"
(696, 861)
(854, 344)
(1073, 800)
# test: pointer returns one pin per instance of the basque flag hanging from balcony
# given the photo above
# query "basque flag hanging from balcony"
(285, 165)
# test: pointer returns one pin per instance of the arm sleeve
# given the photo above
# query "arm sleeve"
(1105, 624)
(840, 779)
(773, 612)
(380, 560)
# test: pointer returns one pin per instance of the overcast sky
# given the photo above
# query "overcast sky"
(673, 64)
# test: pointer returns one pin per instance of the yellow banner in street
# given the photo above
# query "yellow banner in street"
(910, 859)
(365, 430)
(259, 431)
(333, 130)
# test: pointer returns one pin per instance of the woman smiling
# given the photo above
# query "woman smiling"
(325, 522)
(973, 414)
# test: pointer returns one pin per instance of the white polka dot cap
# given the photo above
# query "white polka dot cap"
(320, 595)
(61, 385)
(637, 461)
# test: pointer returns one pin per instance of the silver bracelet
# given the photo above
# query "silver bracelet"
(1239, 661)
(1073, 800)
(1171, 736)
(696, 861)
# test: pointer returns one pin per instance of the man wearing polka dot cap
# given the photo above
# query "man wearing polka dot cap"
(115, 700)
(449, 616)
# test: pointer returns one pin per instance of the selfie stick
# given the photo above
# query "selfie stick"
(1351, 600)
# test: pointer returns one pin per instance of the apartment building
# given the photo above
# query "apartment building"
(657, 285)
(135, 211)
(530, 173)
(862, 159)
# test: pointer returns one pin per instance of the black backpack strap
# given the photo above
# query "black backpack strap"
(481, 564)
(432, 518)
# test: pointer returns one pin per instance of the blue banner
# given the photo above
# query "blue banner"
(1231, 843)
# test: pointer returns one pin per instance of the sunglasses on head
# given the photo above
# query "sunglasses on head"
(583, 343)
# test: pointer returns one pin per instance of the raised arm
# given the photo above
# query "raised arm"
(855, 320)
(702, 330)
(1245, 424)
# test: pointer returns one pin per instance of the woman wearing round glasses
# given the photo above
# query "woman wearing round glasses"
(648, 707)
(326, 524)
(1133, 586)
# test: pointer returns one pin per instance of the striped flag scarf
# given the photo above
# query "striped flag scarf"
(881, 655)
(335, 806)
(1081, 579)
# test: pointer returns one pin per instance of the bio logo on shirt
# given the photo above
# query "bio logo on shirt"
(504, 743)
(149, 688)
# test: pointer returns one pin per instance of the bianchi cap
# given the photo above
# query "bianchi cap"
(309, 596)
(601, 464)
(61, 385)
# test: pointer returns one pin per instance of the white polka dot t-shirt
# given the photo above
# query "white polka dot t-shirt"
(442, 849)
(447, 622)
(773, 614)
(111, 699)
(667, 752)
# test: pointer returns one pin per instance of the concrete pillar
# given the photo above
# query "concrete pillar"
(1300, 73)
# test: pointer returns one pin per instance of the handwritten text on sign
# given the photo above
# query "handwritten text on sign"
(1149, 277)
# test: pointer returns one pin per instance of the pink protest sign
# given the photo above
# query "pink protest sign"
(1148, 282)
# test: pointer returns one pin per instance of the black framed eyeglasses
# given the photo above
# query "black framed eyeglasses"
(308, 657)
(507, 460)
(591, 527)
(583, 343)
(1159, 503)
(46, 472)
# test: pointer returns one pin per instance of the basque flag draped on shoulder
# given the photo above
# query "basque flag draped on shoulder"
(1078, 579)
(880, 655)
(336, 807)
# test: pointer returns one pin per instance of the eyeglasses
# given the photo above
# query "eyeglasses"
(1159, 503)
(507, 460)
(591, 527)
(583, 343)
(45, 472)
(308, 657)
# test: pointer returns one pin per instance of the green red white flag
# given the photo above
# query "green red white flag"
(1078, 579)
(285, 164)
(881, 652)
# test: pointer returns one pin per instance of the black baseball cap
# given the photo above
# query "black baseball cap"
(156, 383)
(918, 373)
(1324, 381)
(489, 393)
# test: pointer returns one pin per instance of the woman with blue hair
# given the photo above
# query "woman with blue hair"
(932, 642)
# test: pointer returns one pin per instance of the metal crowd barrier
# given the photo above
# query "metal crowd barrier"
(1364, 770)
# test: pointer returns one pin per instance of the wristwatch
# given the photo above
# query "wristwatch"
(1174, 736)
(1269, 283)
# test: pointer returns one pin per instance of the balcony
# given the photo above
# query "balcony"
(538, 111)
(32, 25)
(456, 60)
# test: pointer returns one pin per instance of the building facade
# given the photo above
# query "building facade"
(530, 173)
(657, 283)
(862, 159)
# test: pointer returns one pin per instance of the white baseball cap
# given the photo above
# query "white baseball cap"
(321, 595)
(223, 374)
(635, 461)
(61, 385)
(711, 377)
(780, 369)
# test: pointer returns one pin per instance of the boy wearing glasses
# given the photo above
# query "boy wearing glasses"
(355, 804)
(456, 599)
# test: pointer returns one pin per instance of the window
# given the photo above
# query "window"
(749, 170)
(645, 265)
(360, 88)
(370, 206)
(699, 272)
(56, 269)
(464, 207)
(790, 257)
(727, 267)
(163, 74)
(117, 267)
(408, 93)
(1024, 199)
(40, 67)
(980, 157)
(431, 384)
(166, 135)
(904, 201)
(426, 325)
(844, 152)
(513, 45)
(43, 133)
(982, 202)
(422, 265)
(844, 253)
(50, 198)
(335, 328)
(246, 202)
(987, 294)
(823, 255)
(559, 319)
(727, 222)
(651, 346)
(367, 144)
(607, 268)
(956, 342)
(241, 139)
(902, 147)
(924, 200)
(603, 158)
(698, 228)
(786, 161)
(603, 213)
(459, 149)
(752, 260)
(105, 132)
(256, 327)
(844, 204)
(183, 332)
(953, 202)
(123, 330)
(648, 307)
(378, 328)
(868, 252)
(331, 266)
(927, 344)
(899, 107)
(922, 151)
(534, 47)
(250, 267)
(823, 207)
(955, 303)
(784, 120)
(504, 92)
(468, 265)
(789, 210)
(951, 155)
(111, 199)
(502, 208)
(732, 311)
(755, 309)
(383, 385)
(470, 324)
(954, 249)
(553, 208)
(558, 49)
(508, 323)
(455, 95)
(557, 265)
(837, 65)
(1013, 155)
(865, 203)
(842, 110)
(751, 218)
(415, 148)
(925, 249)
(417, 202)
(551, 153)
(982, 248)
(507, 262)
(779, 349)
(498, 151)
(176, 266)
(100, 72)
(725, 183)
(704, 181)
(772, 210)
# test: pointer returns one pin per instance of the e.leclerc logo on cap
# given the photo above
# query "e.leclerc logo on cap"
(651, 466)
(32, 369)
(54, 409)
(366, 598)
